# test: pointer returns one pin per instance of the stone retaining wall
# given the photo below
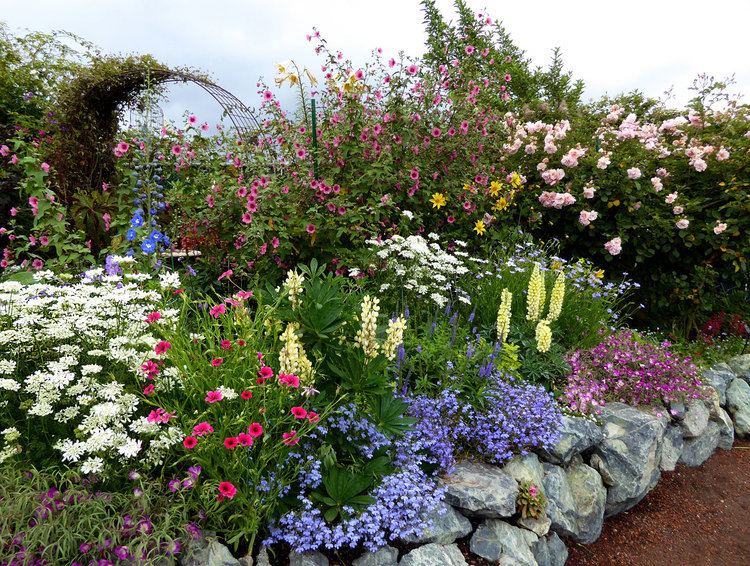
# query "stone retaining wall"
(595, 471)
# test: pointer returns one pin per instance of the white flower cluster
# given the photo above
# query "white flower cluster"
(68, 350)
(423, 267)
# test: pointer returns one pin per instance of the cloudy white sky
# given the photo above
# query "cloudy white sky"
(614, 46)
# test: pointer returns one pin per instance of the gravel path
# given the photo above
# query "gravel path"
(695, 516)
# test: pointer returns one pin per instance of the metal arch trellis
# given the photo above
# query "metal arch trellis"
(242, 117)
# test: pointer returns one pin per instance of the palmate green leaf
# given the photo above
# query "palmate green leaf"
(388, 414)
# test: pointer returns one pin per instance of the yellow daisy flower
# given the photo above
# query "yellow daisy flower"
(479, 228)
(438, 200)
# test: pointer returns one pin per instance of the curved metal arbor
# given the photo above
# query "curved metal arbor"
(242, 117)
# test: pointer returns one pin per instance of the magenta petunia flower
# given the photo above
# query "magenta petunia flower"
(310, 229)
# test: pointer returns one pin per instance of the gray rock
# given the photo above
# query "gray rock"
(550, 551)
(629, 457)
(696, 419)
(726, 429)
(741, 366)
(480, 490)
(434, 555)
(719, 377)
(539, 526)
(677, 410)
(261, 560)
(525, 468)
(447, 526)
(576, 498)
(698, 450)
(577, 435)
(307, 559)
(494, 539)
(738, 405)
(210, 553)
(671, 449)
(386, 556)
(712, 401)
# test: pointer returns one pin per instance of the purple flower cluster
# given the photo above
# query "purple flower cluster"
(625, 369)
(514, 417)
(402, 502)
(358, 430)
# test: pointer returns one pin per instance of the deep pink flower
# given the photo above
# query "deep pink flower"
(149, 389)
(153, 317)
(214, 396)
(216, 362)
(202, 429)
(227, 489)
(245, 439)
(310, 229)
(255, 430)
(299, 412)
(290, 438)
(190, 442)
(218, 310)
(231, 443)
(161, 347)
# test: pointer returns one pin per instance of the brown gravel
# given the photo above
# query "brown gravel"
(694, 516)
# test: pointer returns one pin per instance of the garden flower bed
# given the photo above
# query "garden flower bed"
(341, 339)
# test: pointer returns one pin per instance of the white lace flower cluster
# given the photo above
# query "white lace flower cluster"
(68, 350)
(423, 267)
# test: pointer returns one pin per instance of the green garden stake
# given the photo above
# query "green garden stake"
(315, 138)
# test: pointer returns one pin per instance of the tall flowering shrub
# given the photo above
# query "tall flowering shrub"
(628, 370)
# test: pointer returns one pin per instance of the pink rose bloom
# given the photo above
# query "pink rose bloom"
(682, 223)
(614, 246)
(722, 154)
(677, 210)
(670, 198)
(603, 162)
(699, 164)
(634, 173)
(720, 227)
(5, 151)
(586, 217)
(45, 167)
(588, 192)
(656, 182)
(553, 176)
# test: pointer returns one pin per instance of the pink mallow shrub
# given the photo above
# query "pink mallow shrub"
(625, 369)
